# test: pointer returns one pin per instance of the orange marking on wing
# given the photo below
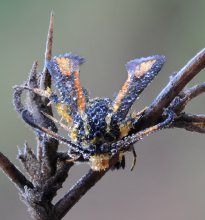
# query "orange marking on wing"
(65, 65)
(142, 68)
(121, 94)
(79, 91)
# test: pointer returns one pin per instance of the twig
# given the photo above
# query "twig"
(50, 145)
(30, 164)
(47, 147)
(195, 91)
(190, 122)
(79, 189)
(46, 78)
(55, 183)
(186, 96)
(13, 173)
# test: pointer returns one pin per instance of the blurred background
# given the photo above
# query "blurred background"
(169, 178)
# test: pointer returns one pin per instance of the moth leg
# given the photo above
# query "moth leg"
(133, 138)
(56, 121)
(38, 91)
(141, 112)
(73, 159)
(166, 122)
(44, 93)
(26, 116)
(134, 159)
(169, 119)
(137, 115)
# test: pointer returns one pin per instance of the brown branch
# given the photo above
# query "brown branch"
(195, 91)
(173, 88)
(30, 164)
(77, 191)
(191, 93)
(47, 147)
(14, 174)
(35, 104)
(190, 122)
(187, 95)
(80, 188)
(46, 78)
(194, 118)
(51, 186)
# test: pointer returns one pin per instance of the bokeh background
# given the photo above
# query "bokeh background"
(168, 181)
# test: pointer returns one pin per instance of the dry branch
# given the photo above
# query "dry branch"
(14, 174)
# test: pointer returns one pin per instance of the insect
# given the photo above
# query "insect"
(100, 127)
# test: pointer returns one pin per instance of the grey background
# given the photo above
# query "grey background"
(168, 182)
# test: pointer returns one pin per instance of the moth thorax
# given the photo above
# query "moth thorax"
(100, 162)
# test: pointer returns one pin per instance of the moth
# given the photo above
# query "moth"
(98, 128)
